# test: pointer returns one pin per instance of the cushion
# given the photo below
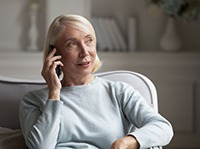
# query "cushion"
(11, 139)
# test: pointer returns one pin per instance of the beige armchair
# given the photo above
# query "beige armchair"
(12, 90)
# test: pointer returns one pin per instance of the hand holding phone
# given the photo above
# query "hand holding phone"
(53, 82)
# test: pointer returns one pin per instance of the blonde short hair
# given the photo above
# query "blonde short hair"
(57, 27)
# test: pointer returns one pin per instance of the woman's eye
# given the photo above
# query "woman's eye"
(89, 41)
(71, 44)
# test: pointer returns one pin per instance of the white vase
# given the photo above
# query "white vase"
(170, 41)
(33, 30)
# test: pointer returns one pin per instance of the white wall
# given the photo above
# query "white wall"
(55, 8)
(10, 19)
(14, 21)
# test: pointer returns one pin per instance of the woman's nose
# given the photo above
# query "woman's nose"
(83, 51)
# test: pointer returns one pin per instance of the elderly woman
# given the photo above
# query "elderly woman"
(79, 110)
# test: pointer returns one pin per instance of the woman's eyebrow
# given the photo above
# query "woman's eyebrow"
(74, 39)
(70, 39)
(89, 35)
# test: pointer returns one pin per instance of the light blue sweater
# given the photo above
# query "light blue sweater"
(91, 116)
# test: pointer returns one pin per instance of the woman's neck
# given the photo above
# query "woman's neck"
(73, 81)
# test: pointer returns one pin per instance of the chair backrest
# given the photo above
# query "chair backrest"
(12, 91)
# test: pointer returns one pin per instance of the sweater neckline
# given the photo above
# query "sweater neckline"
(80, 87)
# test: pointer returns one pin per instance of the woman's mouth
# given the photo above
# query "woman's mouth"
(84, 64)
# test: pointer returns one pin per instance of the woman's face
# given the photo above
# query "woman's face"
(78, 51)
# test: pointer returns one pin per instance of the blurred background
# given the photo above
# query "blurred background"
(16, 21)
(136, 35)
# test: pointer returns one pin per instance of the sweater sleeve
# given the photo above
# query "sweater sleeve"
(152, 128)
(40, 121)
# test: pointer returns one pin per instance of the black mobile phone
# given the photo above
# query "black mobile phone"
(58, 68)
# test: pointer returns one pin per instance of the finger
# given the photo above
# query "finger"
(59, 63)
(56, 64)
(52, 53)
(55, 58)
(49, 61)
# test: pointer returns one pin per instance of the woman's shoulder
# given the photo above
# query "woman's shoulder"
(115, 84)
(119, 89)
(37, 95)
